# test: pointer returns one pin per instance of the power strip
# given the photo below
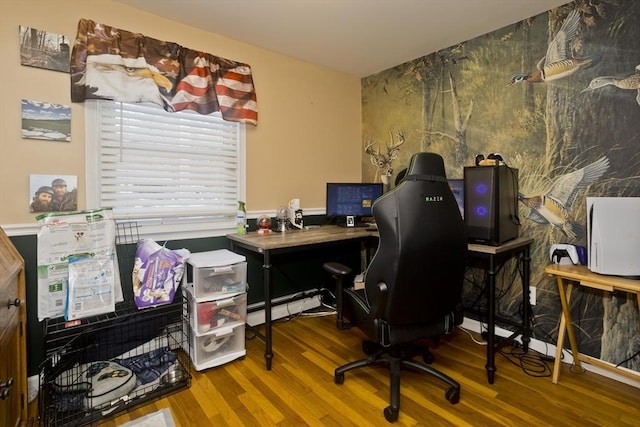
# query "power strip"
(284, 310)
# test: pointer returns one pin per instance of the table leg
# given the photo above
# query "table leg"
(565, 325)
(526, 308)
(570, 333)
(268, 352)
(491, 366)
(559, 345)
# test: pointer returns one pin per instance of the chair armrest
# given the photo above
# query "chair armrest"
(339, 273)
(336, 269)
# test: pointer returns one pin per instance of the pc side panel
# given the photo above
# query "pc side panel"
(507, 208)
(479, 193)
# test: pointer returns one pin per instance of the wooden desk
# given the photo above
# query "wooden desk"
(278, 243)
(275, 243)
(566, 277)
(494, 258)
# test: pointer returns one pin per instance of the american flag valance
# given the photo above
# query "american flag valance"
(109, 63)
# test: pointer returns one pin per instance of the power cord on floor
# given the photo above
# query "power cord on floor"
(532, 362)
(471, 336)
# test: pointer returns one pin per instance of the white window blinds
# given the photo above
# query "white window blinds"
(179, 170)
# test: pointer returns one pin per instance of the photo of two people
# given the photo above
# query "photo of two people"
(53, 193)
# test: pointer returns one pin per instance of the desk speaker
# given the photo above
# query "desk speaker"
(491, 203)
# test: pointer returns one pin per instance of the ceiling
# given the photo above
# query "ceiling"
(357, 37)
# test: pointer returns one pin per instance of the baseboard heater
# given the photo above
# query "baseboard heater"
(284, 306)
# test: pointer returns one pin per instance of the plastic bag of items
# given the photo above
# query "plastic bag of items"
(157, 272)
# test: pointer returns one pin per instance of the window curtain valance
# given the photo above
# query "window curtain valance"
(109, 63)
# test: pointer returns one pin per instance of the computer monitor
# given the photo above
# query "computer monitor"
(351, 200)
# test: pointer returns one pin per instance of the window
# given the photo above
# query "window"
(178, 175)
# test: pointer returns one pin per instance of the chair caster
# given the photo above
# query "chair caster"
(427, 357)
(338, 378)
(391, 414)
(452, 395)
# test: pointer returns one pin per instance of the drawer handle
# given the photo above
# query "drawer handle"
(15, 302)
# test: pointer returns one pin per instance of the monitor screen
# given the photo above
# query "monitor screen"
(351, 199)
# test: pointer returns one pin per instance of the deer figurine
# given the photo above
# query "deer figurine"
(382, 161)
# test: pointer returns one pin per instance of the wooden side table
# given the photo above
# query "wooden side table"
(566, 277)
(494, 258)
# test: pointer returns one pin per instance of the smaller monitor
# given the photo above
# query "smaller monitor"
(351, 199)
(457, 188)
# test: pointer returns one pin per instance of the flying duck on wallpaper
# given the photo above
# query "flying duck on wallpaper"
(558, 96)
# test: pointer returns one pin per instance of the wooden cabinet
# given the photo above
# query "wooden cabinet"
(13, 361)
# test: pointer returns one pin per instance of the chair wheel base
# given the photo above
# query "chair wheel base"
(452, 395)
(391, 414)
(338, 378)
(370, 347)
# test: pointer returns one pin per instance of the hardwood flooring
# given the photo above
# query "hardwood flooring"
(300, 390)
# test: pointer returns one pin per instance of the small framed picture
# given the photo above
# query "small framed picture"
(45, 120)
(351, 221)
(43, 49)
(53, 193)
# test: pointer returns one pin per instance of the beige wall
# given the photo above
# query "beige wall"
(309, 128)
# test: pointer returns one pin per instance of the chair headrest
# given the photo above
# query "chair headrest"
(426, 166)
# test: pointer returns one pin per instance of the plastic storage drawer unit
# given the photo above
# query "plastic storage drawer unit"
(207, 315)
(218, 347)
(216, 273)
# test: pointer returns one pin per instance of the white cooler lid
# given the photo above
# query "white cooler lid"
(218, 258)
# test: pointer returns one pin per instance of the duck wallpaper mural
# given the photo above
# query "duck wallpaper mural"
(557, 96)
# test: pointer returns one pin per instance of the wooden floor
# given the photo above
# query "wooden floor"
(300, 390)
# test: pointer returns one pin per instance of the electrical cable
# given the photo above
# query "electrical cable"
(637, 353)
(532, 363)
(471, 335)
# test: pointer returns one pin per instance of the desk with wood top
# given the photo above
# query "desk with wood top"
(566, 277)
(279, 243)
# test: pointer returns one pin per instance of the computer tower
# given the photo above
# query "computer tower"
(491, 203)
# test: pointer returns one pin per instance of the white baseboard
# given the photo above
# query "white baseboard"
(548, 350)
(284, 310)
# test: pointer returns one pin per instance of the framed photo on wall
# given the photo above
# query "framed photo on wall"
(42, 49)
(44, 120)
(53, 193)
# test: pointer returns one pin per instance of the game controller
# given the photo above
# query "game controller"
(564, 254)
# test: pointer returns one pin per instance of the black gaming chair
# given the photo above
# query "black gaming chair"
(413, 285)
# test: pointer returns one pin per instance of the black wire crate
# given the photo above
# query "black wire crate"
(109, 364)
